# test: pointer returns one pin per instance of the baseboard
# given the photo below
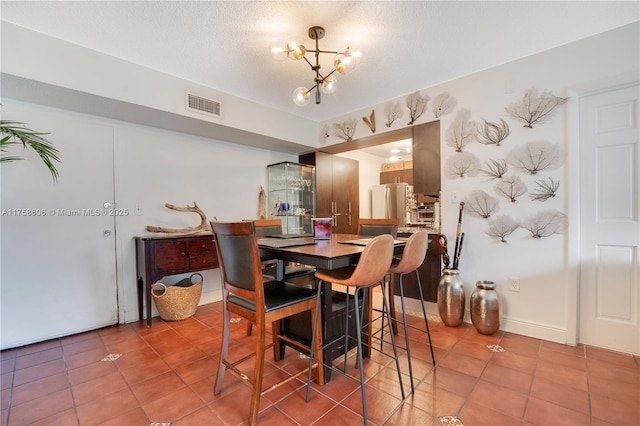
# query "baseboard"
(511, 325)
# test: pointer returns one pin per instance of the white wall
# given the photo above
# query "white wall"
(545, 306)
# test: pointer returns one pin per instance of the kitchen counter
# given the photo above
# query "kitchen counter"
(412, 229)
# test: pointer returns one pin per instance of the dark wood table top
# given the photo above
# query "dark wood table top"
(323, 254)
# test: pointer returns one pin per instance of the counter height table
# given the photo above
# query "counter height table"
(326, 254)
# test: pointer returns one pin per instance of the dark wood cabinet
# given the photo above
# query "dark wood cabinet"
(337, 190)
(163, 255)
(426, 159)
(429, 273)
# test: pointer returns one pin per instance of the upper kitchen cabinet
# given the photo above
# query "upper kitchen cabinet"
(426, 159)
(397, 172)
(337, 190)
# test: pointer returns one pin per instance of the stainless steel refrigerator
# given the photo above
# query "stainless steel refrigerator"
(393, 200)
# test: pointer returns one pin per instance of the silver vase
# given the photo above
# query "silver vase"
(484, 305)
(451, 300)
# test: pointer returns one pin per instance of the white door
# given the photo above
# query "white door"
(58, 260)
(610, 231)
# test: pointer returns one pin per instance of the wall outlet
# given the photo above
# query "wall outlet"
(514, 284)
(455, 197)
(138, 210)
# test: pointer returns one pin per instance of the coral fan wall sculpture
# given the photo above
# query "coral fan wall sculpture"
(546, 189)
(489, 133)
(536, 156)
(444, 103)
(502, 226)
(511, 187)
(417, 104)
(535, 108)
(481, 204)
(460, 132)
(346, 129)
(495, 168)
(461, 165)
(545, 223)
(392, 112)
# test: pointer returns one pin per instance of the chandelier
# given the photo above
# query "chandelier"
(328, 83)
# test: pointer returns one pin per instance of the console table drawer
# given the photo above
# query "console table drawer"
(171, 256)
(201, 245)
(206, 261)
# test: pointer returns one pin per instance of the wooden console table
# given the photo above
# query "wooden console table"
(166, 254)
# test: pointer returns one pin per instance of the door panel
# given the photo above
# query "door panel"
(610, 229)
(58, 268)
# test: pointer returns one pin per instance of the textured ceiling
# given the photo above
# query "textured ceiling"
(407, 46)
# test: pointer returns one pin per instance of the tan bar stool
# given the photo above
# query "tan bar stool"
(415, 250)
(370, 271)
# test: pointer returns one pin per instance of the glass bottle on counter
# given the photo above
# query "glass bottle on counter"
(292, 196)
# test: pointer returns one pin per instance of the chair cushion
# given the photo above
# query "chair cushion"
(277, 294)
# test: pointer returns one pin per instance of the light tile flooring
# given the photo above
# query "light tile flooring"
(131, 375)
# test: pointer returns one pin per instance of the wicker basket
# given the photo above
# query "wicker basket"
(178, 301)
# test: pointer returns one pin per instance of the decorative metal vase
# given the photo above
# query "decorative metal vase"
(451, 299)
(485, 307)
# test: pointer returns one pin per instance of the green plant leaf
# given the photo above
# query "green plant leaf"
(15, 133)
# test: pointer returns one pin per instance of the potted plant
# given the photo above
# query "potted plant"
(16, 133)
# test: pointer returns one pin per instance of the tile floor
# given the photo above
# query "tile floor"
(130, 375)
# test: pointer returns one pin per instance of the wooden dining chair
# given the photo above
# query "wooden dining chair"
(370, 271)
(247, 294)
(273, 227)
(378, 226)
(413, 254)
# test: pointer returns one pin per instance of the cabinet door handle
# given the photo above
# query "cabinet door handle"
(349, 206)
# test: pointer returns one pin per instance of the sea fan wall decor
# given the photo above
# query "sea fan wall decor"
(460, 131)
(346, 129)
(495, 168)
(535, 156)
(417, 104)
(444, 103)
(461, 165)
(502, 226)
(489, 133)
(481, 204)
(392, 112)
(545, 223)
(546, 189)
(511, 187)
(535, 108)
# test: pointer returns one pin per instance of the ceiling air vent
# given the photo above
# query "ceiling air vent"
(203, 105)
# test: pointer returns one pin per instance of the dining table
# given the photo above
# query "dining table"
(338, 251)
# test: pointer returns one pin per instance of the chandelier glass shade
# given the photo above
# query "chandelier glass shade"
(323, 83)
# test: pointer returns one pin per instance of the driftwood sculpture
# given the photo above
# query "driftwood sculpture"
(204, 224)
(262, 204)
(371, 121)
